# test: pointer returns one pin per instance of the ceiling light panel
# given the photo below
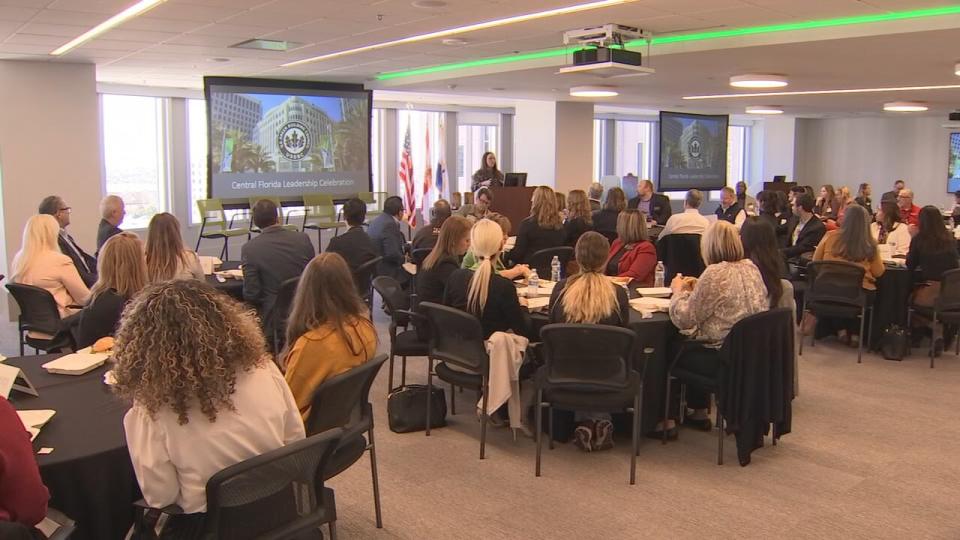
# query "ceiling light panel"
(758, 80)
(827, 92)
(131, 12)
(764, 109)
(594, 91)
(905, 106)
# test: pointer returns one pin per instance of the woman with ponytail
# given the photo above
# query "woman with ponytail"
(483, 292)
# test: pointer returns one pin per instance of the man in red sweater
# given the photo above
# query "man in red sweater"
(23, 497)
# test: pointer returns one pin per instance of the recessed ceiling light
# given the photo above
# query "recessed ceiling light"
(758, 80)
(135, 10)
(764, 109)
(825, 92)
(429, 4)
(455, 41)
(905, 106)
(593, 91)
(265, 45)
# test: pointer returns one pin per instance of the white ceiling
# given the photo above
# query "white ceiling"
(174, 45)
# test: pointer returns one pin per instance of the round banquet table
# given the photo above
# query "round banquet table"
(89, 473)
(232, 287)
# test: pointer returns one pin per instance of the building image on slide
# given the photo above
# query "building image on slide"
(297, 135)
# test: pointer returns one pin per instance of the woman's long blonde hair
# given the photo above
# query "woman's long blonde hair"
(578, 206)
(589, 296)
(452, 231)
(39, 235)
(121, 266)
(721, 243)
(485, 240)
(165, 252)
(544, 208)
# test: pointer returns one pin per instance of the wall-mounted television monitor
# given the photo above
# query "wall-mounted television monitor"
(693, 151)
(953, 167)
(286, 138)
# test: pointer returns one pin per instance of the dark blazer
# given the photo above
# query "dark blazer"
(660, 210)
(269, 259)
(932, 265)
(431, 283)
(87, 273)
(100, 318)
(531, 238)
(573, 229)
(389, 243)
(104, 232)
(620, 317)
(426, 237)
(779, 228)
(730, 214)
(503, 310)
(889, 196)
(605, 222)
(866, 203)
(809, 237)
(354, 246)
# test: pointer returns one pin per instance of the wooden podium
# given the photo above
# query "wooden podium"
(513, 202)
(779, 186)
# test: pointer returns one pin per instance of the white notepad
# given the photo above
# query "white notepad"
(656, 292)
(76, 363)
(34, 420)
(650, 304)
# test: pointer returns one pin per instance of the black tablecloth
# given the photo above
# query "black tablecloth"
(232, 287)
(89, 473)
(890, 305)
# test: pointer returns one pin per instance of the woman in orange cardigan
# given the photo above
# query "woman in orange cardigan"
(632, 254)
(328, 331)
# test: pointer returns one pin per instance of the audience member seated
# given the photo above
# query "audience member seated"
(272, 257)
(112, 212)
(588, 297)
(542, 229)
(731, 288)
(845, 199)
(605, 221)
(518, 270)
(909, 212)
(122, 273)
(205, 394)
(453, 244)
(86, 265)
(804, 230)
(355, 246)
(852, 243)
(655, 206)
(933, 251)
(41, 264)
(632, 254)
(689, 221)
(892, 194)
(596, 195)
(760, 246)
(389, 242)
(770, 213)
(579, 217)
(328, 329)
(955, 213)
(863, 197)
(828, 204)
(888, 229)
(784, 205)
(23, 497)
(167, 258)
(561, 205)
(729, 209)
(748, 203)
(426, 237)
(489, 296)
(480, 208)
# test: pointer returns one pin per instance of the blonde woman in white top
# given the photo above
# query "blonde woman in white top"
(166, 257)
(41, 264)
(888, 230)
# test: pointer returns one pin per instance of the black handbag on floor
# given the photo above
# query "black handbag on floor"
(895, 343)
(407, 408)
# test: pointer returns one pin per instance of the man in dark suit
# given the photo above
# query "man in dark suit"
(804, 229)
(892, 195)
(389, 241)
(112, 212)
(354, 245)
(655, 205)
(427, 236)
(271, 258)
(86, 265)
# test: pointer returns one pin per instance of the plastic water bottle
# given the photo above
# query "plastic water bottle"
(533, 284)
(555, 269)
(658, 275)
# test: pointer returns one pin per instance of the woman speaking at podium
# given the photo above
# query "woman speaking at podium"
(487, 175)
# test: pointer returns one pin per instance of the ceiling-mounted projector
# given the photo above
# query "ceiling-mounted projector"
(602, 53)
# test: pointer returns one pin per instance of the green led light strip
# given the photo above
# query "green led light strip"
(680, 38)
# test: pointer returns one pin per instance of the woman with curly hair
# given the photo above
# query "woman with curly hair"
(205, 394)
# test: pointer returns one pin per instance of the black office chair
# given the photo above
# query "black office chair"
(362, 277)
(281, 310)
(680, 254)
(419, 254)
(12, 530)
(278, 494)
(589, 367)
(945, 310)
(343, 401)
(541, 260)
(404, 342)
(39, 313)
(835, 289)
(456, 338)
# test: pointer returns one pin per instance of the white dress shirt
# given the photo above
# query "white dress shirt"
(173, 462)
(688, 222)
(898, 239)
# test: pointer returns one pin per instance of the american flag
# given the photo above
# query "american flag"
(406, 176)
(427, 175)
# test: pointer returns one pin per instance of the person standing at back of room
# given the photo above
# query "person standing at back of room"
(488, 175)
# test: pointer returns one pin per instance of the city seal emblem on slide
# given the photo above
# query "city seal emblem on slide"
(293, 140)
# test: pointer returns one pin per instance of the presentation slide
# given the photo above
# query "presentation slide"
(953, 168)
(693, 151)
(286, 138)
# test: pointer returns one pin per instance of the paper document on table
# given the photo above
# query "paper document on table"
(209, 263)
(8, 375)
(76, 363)
(650, 304)
(655, 292)
(234, 274)
(539, 302)
(36, 418)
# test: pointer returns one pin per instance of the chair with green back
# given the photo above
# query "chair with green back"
(284, 219)
(320, 213)
(212, 215)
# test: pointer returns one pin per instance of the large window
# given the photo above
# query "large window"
(736, 154)
(376, 150)
(634, 150)
(472, 142)
(197, 140)
(135, 155)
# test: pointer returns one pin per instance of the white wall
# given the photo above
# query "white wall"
(779, 150)
(574, 145)
(848, 151)
(534, 141)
